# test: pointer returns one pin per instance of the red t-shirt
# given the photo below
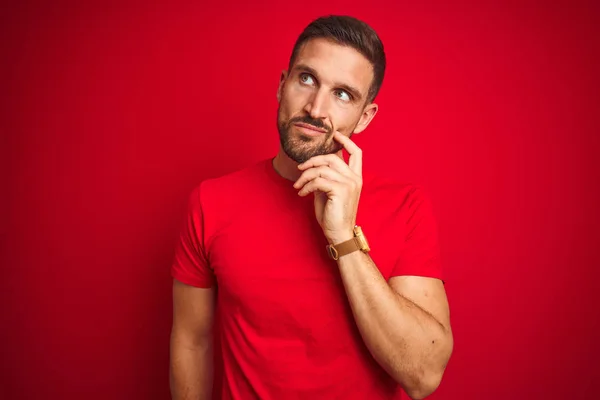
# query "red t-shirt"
(285, 328)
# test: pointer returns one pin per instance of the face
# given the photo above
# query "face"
(325, 90)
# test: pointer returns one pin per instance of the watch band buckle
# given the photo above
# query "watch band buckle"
(333, 253)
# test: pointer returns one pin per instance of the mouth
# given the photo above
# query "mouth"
(310, 130)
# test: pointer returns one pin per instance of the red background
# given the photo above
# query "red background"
(113, 113)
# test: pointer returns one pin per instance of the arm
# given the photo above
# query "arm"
(191, 366)
(405, 324)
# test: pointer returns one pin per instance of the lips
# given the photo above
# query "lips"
(310, 127)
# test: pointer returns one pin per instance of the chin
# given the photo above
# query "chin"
(300, 155)
(300, 148)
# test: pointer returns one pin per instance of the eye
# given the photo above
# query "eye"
(343, 95)
(307, 79)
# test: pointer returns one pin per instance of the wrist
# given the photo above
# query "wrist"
(347, 243)
(340, 237)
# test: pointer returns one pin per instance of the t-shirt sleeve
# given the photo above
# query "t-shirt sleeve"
(420, 252)
(190, 264)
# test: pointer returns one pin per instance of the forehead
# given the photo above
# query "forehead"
(336, 63)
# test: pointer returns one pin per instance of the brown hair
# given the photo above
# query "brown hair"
(348, 31)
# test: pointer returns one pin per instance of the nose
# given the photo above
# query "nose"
(317, 105)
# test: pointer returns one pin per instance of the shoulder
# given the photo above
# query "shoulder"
(230, 186)
(392, 192)
(241, 177)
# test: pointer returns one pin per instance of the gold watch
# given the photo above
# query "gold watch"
(358, 242)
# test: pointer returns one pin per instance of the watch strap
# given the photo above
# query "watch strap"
(341, 249)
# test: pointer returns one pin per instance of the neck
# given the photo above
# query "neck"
(285, 166)
(288, 168)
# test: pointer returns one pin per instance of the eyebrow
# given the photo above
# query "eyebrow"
(350, 89)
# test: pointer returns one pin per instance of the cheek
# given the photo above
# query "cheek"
(290, 106)
(344, 119)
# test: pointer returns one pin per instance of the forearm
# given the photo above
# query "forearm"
(409, 343)
(191, 369)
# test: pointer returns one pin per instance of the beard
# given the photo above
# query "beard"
(301, 148)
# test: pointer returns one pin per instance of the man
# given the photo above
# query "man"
(307, 308)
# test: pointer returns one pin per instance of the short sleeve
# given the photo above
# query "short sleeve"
(190, 264)
(420, 255)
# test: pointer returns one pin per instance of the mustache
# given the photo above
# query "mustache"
(317, 123)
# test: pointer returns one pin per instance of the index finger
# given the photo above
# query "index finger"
(355, 161)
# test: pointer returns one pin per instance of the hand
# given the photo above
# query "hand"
(337, 188)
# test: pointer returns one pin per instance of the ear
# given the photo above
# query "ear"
(366, 117)
(282, 79)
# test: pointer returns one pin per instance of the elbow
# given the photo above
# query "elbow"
(424, 386)
(425, 380)
(422, 382)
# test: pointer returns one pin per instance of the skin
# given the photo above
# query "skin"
(405, 321)
(191, 348)
(327, 86)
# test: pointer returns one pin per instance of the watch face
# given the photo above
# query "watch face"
(364, 244)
